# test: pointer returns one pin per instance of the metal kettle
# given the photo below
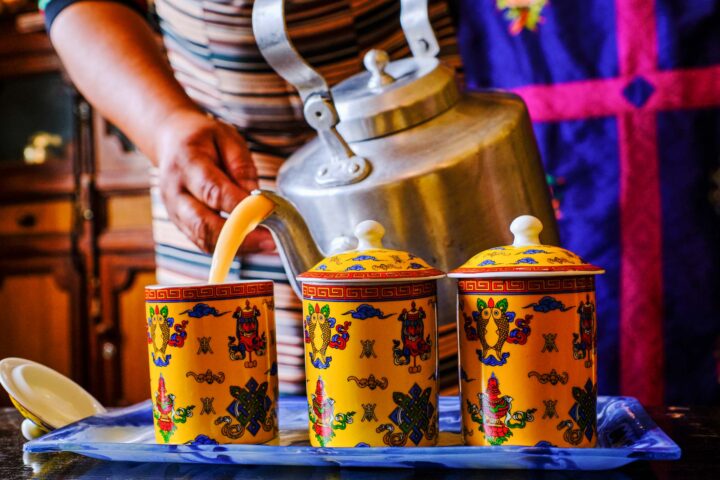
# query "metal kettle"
(444, 171)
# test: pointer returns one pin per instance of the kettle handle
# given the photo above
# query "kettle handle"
(271, 35)
(418, 31)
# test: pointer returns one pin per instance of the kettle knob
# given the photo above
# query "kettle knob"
(369, 234)
(375, 62)
(342, 244)
(526, 230)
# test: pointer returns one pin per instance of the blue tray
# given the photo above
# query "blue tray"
(625, 433)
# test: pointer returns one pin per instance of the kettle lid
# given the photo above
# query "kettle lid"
(392, 96)
(371, 262)
(526, 257)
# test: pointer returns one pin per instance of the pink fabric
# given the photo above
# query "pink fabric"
(641, 300)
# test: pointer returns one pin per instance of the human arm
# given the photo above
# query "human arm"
(112, 57)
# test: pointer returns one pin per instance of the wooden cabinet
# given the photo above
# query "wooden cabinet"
(75, 229)
(126, 263)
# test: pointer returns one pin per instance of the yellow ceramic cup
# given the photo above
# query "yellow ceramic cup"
(527, 335)
(529, 363)
(371, 364)
(213, 365)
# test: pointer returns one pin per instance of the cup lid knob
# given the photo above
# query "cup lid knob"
(369, 234)
(526, 230)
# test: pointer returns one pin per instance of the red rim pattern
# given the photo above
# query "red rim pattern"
(209, 292)
(432, 272)
(368, 293)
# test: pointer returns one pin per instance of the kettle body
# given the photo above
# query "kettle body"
(447, 186)
(444, 171)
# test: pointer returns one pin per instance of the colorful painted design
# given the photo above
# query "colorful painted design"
(522, 14)
(413, 342)
(204, 345)
(166, 414)
(251, 408)
(583, 415)
(526, 286)
(368, 349)
(377, 263)
(160, 335)
(207, 406)
(549, 345)
(369, 412)
(201, 310)
(370, 382)
(553, 377)
(494, 414)
(550, 409)
(323, 419)
(207, 377)
(202, 440)
(200, 377)
(368, 293)
(415, 416)
(584, 341)
(492, 323)
(365, 311)
(208, 293)
(548, 304)
(319, 334)
(515, 259)
(248, 339)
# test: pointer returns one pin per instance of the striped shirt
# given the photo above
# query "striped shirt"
(211, 48)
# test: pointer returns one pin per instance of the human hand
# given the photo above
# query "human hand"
(205, 168)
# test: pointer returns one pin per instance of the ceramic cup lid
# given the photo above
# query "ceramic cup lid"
(371, 262)
(526, 257)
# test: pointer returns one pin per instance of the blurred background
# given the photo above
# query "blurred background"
(76, 246)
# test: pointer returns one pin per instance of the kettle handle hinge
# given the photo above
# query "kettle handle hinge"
(271, 35)
(344, 167)
(418, 31)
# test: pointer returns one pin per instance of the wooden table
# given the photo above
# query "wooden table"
(696, 430)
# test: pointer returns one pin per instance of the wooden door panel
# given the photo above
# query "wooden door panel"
(134, 370)
(37, 325)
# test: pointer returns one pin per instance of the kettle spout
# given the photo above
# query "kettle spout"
(297, 247)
